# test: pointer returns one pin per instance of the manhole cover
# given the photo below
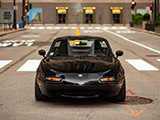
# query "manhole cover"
(135, 100)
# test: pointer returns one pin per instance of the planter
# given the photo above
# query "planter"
(144, 24)
(138, 26)
(157, 29)
(149, 27)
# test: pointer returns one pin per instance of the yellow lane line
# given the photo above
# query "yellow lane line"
(77, 32)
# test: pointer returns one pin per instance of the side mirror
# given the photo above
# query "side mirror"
(119, 53)
(42, 52)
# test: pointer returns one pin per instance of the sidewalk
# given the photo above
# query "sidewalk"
(146, 31)
(10, 31)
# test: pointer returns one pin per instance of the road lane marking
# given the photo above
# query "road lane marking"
(77, 32)
(41, 28)
(30, 65)
(90, 28)
(82, 28)
(98, 28)
(133, 114)
(25, 36)
(4, 62)
(49, 28)
(74, 27)
(139, 44)
(129, 31)
(158, 60)
(57, 28)
(141, 65)
(33, 28)
(65, 27)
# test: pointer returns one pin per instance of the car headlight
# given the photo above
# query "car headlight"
(54, 79)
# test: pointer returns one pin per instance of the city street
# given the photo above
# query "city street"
(19, 60)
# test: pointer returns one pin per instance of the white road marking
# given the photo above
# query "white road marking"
(30, 36)
(82, 28)
(90, 27)
(129, 31)
(56, 27)
(158, 60)
(122, 28)
(141, 65)
(49, 28)
(98, 28)
(73, 27)
(4, 62)
(40, 28)
(139, 44)
(106, 28)
(33, 28)
(65, 27)
(30, 65)
(113, 27)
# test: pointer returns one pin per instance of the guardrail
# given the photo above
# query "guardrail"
(5, 26)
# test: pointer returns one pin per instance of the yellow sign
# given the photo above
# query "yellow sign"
(61, 8)
(89, 11)
(61, 11)
(89, 8)
(116, 11)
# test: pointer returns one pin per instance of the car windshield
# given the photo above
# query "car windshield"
(80, 47)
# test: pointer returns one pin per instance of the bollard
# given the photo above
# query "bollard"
(66, 22)
(89, 22)
(112, 23)
(78, 22)
(54, 23)
(43, 23)
(124, 23)
(31, 23)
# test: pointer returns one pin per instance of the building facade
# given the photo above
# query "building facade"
(78, 11)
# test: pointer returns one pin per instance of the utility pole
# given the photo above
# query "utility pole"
(23, 13)
(155, 10)
(14, 17)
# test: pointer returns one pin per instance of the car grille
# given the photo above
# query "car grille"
(80, 92)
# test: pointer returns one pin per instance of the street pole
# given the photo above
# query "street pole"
(155, 10)
(14, 17)
(23, 13)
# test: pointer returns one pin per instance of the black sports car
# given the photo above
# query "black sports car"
(80, 67)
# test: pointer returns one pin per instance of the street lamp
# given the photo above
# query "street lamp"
(14, 16)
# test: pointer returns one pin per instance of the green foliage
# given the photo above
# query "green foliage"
(157, 23)
(138, 19)
(158, 17)
(146, 17)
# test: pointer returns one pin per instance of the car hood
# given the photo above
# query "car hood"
(78, 66)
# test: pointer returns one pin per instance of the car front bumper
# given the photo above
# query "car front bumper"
(79, 91)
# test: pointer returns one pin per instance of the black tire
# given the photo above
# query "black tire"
(122, 94)
(38, 94)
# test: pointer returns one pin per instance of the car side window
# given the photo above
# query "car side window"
(60, 48)
(101, 48)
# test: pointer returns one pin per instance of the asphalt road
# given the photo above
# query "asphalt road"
(141, 61)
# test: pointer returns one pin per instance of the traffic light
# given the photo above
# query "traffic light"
(133, 4)
(151, 8)
(26, 7)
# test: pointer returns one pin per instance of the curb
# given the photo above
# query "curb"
(146, 31)
(12, 31)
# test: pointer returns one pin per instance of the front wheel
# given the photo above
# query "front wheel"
(122, 94)
(38, 94)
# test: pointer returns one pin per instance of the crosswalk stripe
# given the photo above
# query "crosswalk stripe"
(141, 65)
(41, 28)
(32, 28)
(30, 65)
(49, 28)
(4, 62)
(158, 60)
